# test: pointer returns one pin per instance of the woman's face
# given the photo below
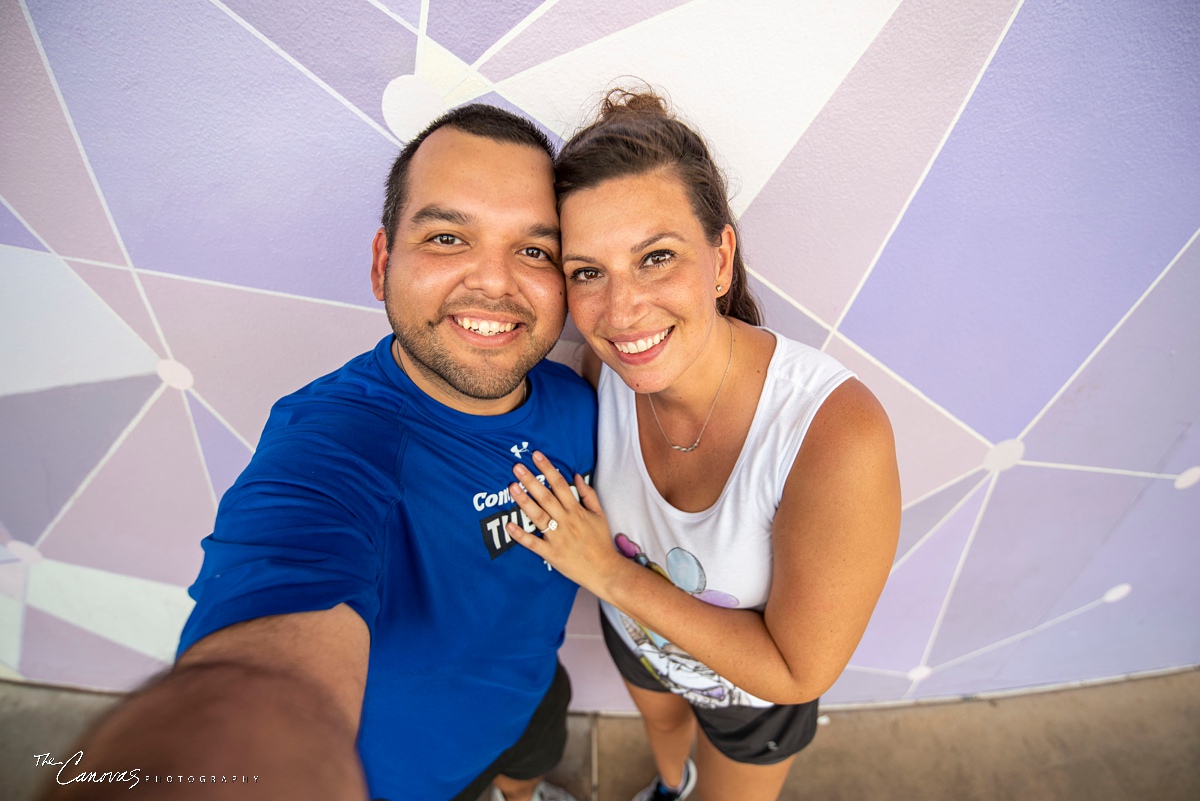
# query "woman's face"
(642, 277)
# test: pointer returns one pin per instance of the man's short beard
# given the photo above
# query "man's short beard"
(421, 345)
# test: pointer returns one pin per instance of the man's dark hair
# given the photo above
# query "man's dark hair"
(478, 119)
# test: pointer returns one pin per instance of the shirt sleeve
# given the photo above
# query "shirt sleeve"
(297, 532)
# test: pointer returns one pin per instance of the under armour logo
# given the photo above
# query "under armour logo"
(517, 450)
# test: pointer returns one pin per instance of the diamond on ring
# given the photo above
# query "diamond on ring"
(553, 524)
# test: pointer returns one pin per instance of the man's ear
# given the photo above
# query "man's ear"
(379, 262)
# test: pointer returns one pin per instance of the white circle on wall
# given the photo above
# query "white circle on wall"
(24, 551)
(175, 375)
(1117, 593)
(1188, 478)
(1004, 455)
(409, 104)
(920, 673)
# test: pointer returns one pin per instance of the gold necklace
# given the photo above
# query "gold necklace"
(720, 386)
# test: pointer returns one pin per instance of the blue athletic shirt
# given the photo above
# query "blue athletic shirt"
(364, 490)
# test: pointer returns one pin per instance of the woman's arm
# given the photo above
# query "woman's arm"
(834, 538)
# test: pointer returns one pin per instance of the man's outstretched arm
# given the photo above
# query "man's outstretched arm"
(276, 700)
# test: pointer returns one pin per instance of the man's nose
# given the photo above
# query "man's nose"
(493, 273)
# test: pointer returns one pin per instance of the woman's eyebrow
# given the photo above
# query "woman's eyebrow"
(648, 242)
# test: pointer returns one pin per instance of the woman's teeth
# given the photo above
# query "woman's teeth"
(642, 344)
(487, 328)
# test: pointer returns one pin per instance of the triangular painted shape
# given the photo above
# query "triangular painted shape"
(140, 614)
(932, 449)
(12, 579)
(1041, 529)
(116, 287)
(569, 25)
(225, 456)
(53, 439)
(319, 34)
(60, 333)
(55, 652)
(407, 10)
(908, 610)
(841, 188)
(248, 349)
(11, 610)
(1140, 395)
(780, 315)
(42, 173)
(919, 519)
(218, 159)
(13, 232)
(752, 107)
(468, 28)
(146, 511)
(857, 687)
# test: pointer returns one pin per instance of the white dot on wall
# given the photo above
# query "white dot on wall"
(409, 104)
(175, 375)
(920, 673)
(1004, 455)
(24, 551)
(1188, 478)
(1117, 593)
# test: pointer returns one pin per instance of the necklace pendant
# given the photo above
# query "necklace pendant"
(682, 449)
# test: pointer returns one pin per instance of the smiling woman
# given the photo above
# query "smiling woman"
(746, 563)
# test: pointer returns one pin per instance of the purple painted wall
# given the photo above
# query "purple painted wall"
(988, 210)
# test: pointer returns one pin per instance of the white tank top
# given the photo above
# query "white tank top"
(721, 555)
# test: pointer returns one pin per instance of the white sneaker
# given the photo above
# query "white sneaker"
(543, 792)
(653, 793)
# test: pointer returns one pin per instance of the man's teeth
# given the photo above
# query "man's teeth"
(489, 328)
(642, 344)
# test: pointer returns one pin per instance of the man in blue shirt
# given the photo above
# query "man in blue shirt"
(361, 612)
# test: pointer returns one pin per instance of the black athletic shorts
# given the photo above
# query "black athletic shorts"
(750, 734)
(538, 749)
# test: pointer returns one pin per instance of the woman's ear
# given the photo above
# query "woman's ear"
(725, 253)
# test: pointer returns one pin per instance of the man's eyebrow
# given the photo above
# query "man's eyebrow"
(441, 214)
(545, 232)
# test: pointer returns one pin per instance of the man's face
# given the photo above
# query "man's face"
(472, 286)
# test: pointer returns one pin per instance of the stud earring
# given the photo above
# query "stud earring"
(719, 287)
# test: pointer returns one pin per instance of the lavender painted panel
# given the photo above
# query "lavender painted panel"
(1039, 529)
(1155, 549)
(467, 29)
(41, 172)
(12, 232)
(821, 218)
(52, 439)
(218, 158)
(1141, 392)
(596, 684)
(919, 519)
(225, 456)
(785, 318)
(569, 25)
(116, 287)
(408, 10)
(322, 36)
(855, 687)
(1066, 187)
(247, 349)
(57, 652)
(146, 511)
(911, 601)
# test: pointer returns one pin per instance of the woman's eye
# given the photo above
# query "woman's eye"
(585, 274)
(658, 258)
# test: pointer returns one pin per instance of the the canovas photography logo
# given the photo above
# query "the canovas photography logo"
(72, 771)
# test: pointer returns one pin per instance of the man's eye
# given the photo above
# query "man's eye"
(658, 258)
(536, 253)
(445, 239)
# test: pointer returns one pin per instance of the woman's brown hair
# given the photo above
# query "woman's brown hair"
(636, 133)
